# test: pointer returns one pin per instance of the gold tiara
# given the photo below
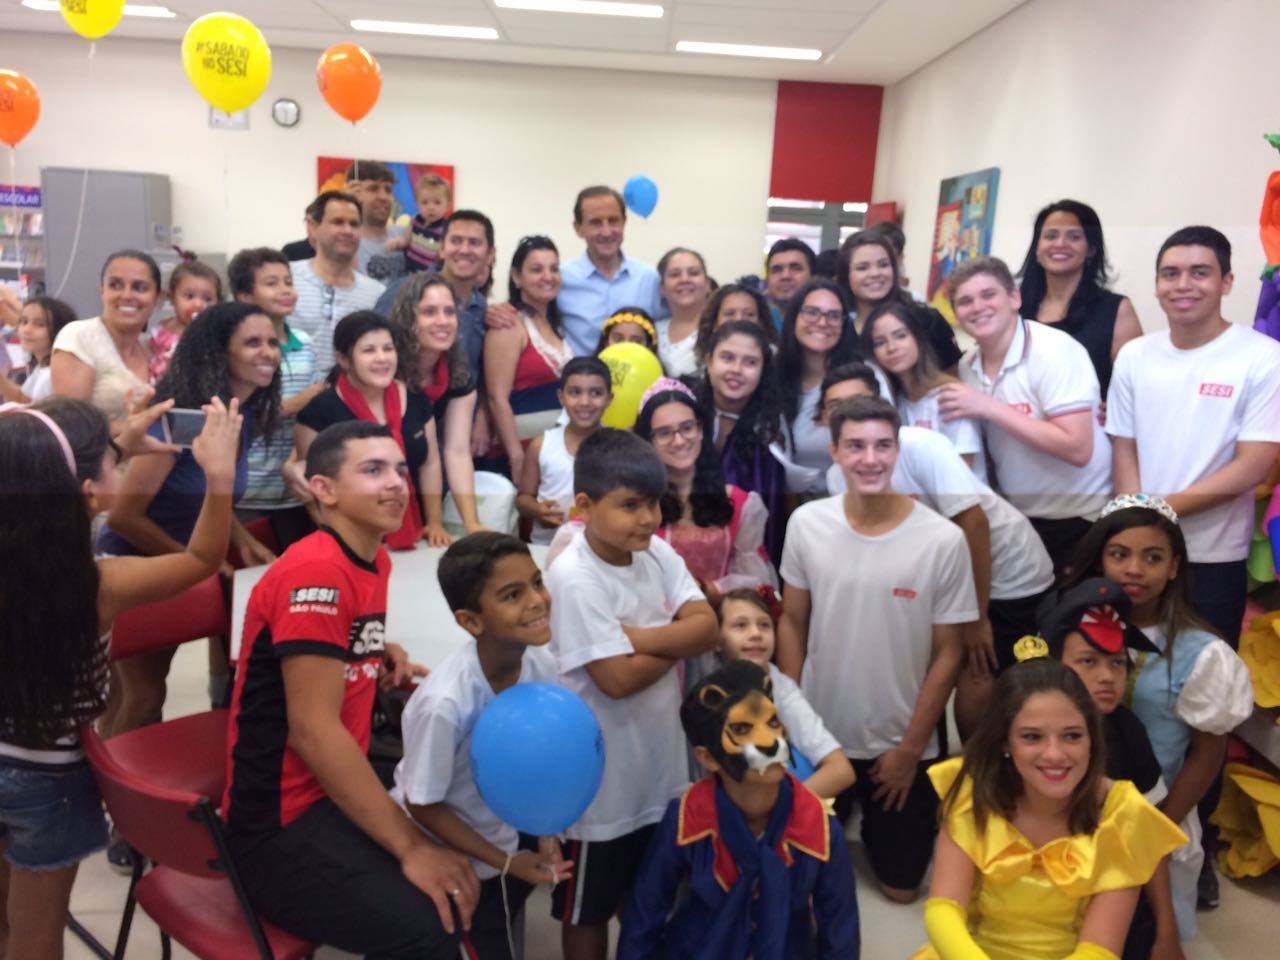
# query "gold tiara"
(1030, 648)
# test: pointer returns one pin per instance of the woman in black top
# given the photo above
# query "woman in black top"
(363, 386)
(869, 277)
(1064, 283)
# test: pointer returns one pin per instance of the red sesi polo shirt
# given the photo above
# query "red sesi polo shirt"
(318, 599)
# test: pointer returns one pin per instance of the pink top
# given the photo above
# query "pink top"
(162, 342)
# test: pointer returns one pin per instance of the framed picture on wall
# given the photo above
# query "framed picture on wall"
(962, 230)
(331, 174)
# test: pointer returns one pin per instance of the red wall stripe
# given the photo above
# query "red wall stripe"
(824, 141)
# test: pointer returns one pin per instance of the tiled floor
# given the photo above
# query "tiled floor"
(1245, 926)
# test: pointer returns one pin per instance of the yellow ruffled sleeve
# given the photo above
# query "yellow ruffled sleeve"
(1131, 839)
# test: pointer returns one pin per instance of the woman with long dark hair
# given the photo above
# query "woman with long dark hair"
(1064, 284)
(733, 301)
(685, 288)
(522, 363)
(740, 390)
(57, 470)
(717, 528)
(1040, 856)
(816, 336)
(869, 277)
(229, 352)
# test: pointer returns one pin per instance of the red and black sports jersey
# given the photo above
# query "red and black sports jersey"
(318, 599)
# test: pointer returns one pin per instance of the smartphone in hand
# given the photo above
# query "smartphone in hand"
(181, 427)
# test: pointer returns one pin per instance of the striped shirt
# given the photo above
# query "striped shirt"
(268, 453)
(320, 306)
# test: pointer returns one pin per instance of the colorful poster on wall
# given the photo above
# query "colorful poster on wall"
(962, 231)
(331, 174)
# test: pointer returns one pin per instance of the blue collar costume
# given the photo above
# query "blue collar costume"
(784, 896)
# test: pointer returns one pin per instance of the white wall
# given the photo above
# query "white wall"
(1152, 111)
(523, 141)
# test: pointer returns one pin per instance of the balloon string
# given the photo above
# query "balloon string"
(17, 217)
(226, 195)
(84, 192)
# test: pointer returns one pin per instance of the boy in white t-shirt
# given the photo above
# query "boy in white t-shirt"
(496, 593)
(875, 590)
(1035, 389)
(1012, 572)
(626, 611)
(1195, 415)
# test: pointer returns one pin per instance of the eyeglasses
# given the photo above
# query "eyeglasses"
(688, 430)
(830, 318)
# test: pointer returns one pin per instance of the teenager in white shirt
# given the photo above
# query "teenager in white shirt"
(875, 590)
(625, 612)
(1012, 572)
(1037, 394)
(1194, 412)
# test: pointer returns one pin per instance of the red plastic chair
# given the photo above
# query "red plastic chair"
(188, 753)
(193, 891)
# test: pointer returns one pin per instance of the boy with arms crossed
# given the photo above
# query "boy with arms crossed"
(625, 612)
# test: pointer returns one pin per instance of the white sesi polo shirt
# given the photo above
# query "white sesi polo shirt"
(1186, 410)
(1045, 374)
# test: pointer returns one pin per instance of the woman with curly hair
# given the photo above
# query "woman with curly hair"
(229, 352)
(432, 361)
(741, 392)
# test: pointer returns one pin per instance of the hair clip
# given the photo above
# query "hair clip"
(1144, 501)
(1030, 647)
(635, 318)
(771, 600)
(667, 385)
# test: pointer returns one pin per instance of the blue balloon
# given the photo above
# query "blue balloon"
(641, 195)
(801, 768)
(537, 755)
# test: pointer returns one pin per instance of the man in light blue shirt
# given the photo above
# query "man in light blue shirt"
(603, 279)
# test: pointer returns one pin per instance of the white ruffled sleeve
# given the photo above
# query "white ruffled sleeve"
(748, 563)
(1218, 694)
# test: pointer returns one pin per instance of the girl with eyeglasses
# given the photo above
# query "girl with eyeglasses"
(717, 528)
(816, 336)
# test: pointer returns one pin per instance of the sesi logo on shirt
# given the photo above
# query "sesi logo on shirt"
(367, 636)
(1023, 408)
(905, 593)
(1224, 390)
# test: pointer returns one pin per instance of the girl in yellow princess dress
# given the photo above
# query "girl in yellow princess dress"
(1040, 856)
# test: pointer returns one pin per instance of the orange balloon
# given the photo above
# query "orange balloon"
(19, 106)
(350, 79)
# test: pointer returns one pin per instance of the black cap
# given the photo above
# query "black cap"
(1098, 609)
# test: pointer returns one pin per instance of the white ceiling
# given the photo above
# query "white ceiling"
(863, 41)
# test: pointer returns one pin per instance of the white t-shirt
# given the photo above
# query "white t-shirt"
(929, 469)
(437, 724)
(964, 433)
(555, 480)
(1187, 410)
(39, 384)
(320, 306)
(1045, 374)
(805, 729)
(679, 358)
(874, 603)
(644, 766)
(90, 342)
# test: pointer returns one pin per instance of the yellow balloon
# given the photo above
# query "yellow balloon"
(633, 369)
(227, 60)
(92, 18)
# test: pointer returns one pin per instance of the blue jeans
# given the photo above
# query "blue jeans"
(50, 817)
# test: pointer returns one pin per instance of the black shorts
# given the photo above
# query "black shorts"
(899, 843)
(488, 937)
(324, 879)
(1011, 620)
(1060, 538)
(603, 873)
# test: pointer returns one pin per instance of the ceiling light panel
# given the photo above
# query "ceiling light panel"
(600, 8)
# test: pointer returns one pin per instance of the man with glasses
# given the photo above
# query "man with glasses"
(602, 280)
(328, 285)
